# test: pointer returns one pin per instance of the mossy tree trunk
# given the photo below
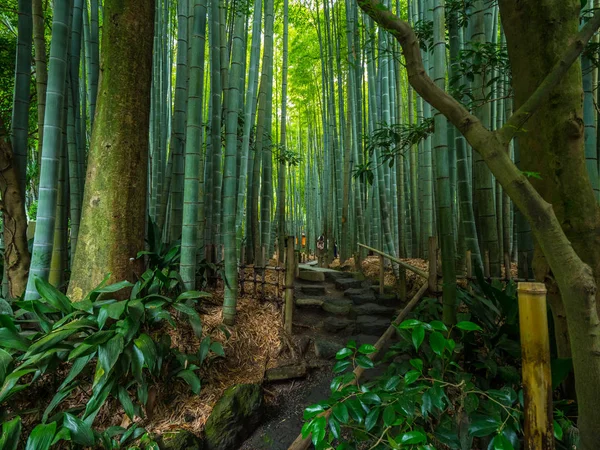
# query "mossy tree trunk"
(553, 145)
(16, 252)
(114, 205)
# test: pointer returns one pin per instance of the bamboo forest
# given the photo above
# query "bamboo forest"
(300, 224)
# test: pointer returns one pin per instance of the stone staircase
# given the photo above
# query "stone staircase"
(342, 304)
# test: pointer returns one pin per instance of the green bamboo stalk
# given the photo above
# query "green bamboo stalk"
(193, 145)
(53, 136)
(20, 112)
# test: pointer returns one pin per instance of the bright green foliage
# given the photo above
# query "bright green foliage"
(441, 385)
(118, 335)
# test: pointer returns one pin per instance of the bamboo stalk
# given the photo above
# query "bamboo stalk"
(432, 264)
(381, 275)
(413, 269)
(289, 284)
(303, 443)
(537, 381)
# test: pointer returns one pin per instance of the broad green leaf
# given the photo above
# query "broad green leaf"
(13, 340)
(116, 310)
(500, 443)
(41, 437)
(53, 296)
(334, 426)
(371, 419)
(318, 430)
(411, 376)
(558, 431)
(113, 287)
(367, 349)
(343, 354)
(99, 337)
(438, 326)
(10, 382)
(417, 363)
(100, 393)
(418, 334)
(364, 362)
(81, 432)
(63, 434)
(437, 341)
(204, 349)
(340, 412)
(11, 432)
(389, 416)
(340, 366)
(188, 295)
(109, 353)
(82, 350)
(192, 379)
(5, 364)
(217, 348)
(468, 326)
(126, 402)
(193, 317)
(370, 398)
(312, 411)
(148, 349)
(482, 426)
(306, 429)
(410, 323)
(391, 383)
(413, 437)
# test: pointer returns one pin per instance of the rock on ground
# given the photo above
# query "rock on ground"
(235, 416)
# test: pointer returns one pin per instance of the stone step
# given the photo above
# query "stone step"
(334, 275)
(339, 306)
(360, 296)
(374, 309)
(311, 275)
(339, 325)
(348, 283)
(309, 302)
(326, 349)
(313, 290)
(374, 325)
(387, 299)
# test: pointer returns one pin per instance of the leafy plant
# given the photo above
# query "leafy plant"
(116, 334)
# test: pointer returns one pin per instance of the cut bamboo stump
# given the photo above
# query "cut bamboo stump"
(537, 380)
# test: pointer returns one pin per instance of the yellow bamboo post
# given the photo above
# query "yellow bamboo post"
(433, 264)
(381, 275)
(290, 269)
(537, 380)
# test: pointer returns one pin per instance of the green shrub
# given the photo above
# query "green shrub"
(114, 337)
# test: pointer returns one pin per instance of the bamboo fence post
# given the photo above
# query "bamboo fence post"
(537, 380)
(289, 284)
(433, 264)
(381, 275)
(507, 267)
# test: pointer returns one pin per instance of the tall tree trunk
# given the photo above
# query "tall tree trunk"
(114, 207)
(16, 252)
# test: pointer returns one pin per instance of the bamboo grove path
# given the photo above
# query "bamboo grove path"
(330, 308)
